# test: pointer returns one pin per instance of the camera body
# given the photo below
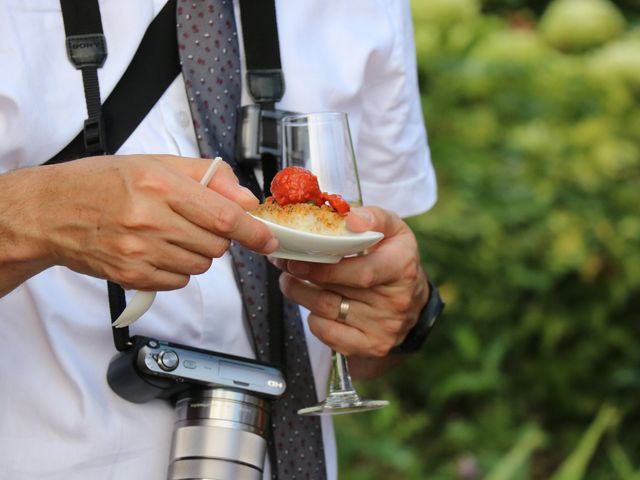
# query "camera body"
(222, 404)
(153, 368)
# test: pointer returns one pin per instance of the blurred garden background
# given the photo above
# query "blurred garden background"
(534, 370)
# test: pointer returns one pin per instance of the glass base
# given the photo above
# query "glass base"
(341, 403)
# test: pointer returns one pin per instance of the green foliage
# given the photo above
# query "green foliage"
(630, 8)
(534, 370)
(444, 12)
(619, 62)
(576, 25)
(575, 466)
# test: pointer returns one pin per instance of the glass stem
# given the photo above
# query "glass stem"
(340, 381)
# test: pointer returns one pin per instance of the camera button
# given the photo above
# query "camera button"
(189, 364)
(168, 360)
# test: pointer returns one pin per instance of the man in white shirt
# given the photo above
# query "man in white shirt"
(142, 220)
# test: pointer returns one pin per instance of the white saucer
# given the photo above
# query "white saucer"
(312, 247)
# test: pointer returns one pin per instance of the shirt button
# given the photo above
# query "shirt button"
(184, 120)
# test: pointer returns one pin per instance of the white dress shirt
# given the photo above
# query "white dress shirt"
(58, 417)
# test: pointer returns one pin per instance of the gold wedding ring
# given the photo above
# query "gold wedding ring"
(344, 309)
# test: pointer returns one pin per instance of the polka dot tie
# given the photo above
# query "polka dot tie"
(209, 55)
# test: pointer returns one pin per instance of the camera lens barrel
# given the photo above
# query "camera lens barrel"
(219, 434)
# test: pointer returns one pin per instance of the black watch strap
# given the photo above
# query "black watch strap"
(427, 319)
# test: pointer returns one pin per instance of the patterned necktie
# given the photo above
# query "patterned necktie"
(209, 55)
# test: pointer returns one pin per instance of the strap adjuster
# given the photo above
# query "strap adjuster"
(266, 85)
(94, 136)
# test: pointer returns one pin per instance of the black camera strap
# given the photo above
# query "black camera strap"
(87, 51)
(265, 80)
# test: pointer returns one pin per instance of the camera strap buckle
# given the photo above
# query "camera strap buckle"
(258, 132)
(266, 85)
(94, 136)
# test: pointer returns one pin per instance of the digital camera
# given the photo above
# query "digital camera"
(222, 405)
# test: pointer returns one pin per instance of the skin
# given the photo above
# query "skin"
(387, 289)
(143, 221)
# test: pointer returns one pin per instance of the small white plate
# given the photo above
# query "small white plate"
(312, 247)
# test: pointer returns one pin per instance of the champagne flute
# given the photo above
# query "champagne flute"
(321, 143)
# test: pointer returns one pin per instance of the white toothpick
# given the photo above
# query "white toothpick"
(211, 171)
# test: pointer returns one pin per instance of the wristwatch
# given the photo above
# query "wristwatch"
(427, 319)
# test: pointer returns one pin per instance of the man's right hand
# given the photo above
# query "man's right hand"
(141, 221)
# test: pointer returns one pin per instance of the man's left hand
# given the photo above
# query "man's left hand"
(382, 292)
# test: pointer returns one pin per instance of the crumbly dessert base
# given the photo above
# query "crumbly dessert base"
(303, 216)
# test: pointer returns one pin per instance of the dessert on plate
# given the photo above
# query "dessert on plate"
(297, 202)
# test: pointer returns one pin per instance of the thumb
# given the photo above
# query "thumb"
(361, 219)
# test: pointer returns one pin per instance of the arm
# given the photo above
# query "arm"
(22, 253)
(387, 289)
(142, 221)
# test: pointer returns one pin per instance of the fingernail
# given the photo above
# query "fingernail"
(247, 193)
(271, 246)
(275, 261)
(364, 214)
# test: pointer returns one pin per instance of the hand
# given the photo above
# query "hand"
(385, 289)
(142, 221)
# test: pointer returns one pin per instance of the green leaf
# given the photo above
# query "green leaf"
(519, 456)
(575, 466)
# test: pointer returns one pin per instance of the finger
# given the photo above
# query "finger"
(319, 301)
(224, 181)
(381, 266)
(201, 242)
(352, 341)
(191, 237)
(343, 338)
(225, 218)
(161, 281)
(173, 259)
(226, 184)
(148, 279)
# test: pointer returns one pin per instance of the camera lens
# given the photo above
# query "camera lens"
(219, 434)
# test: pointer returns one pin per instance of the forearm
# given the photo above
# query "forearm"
(21, 253)
(13, 275)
